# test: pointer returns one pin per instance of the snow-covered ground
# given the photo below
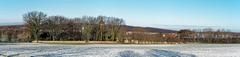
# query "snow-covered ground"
(118, 50)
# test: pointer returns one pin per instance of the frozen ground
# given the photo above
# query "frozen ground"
(118, 50)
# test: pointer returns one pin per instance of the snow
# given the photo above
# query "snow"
(118, 50)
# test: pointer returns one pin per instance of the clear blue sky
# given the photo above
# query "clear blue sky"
(154, 13)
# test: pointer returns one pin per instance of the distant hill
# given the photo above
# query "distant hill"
(150, 29)
(11, 23)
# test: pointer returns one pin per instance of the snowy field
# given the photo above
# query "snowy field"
(118, 50)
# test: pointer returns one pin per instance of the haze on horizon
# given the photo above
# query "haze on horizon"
(170, 14)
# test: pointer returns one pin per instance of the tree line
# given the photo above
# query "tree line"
(209, 35)
(39, 26)
(100, 28)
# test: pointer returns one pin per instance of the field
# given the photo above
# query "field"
(118, 50)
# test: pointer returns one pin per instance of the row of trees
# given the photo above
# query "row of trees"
(88, 28)
(209, 35)
(101, 28)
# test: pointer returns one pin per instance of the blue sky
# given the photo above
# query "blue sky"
(171, 14)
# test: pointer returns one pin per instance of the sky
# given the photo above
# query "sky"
(169, 14)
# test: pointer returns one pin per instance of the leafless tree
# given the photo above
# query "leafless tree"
(115, 25)
(54, 26)
(88, 27)
(33, 21)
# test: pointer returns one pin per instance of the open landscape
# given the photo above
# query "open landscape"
(119, 28)
(119, 50)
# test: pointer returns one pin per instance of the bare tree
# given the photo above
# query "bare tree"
(115, 25)
(101, 27)
(54, 26)
(88, 27)
(33, 20)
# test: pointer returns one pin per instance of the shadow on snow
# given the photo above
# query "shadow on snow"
(154, 53)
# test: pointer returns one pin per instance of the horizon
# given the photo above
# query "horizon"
(166, 14)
